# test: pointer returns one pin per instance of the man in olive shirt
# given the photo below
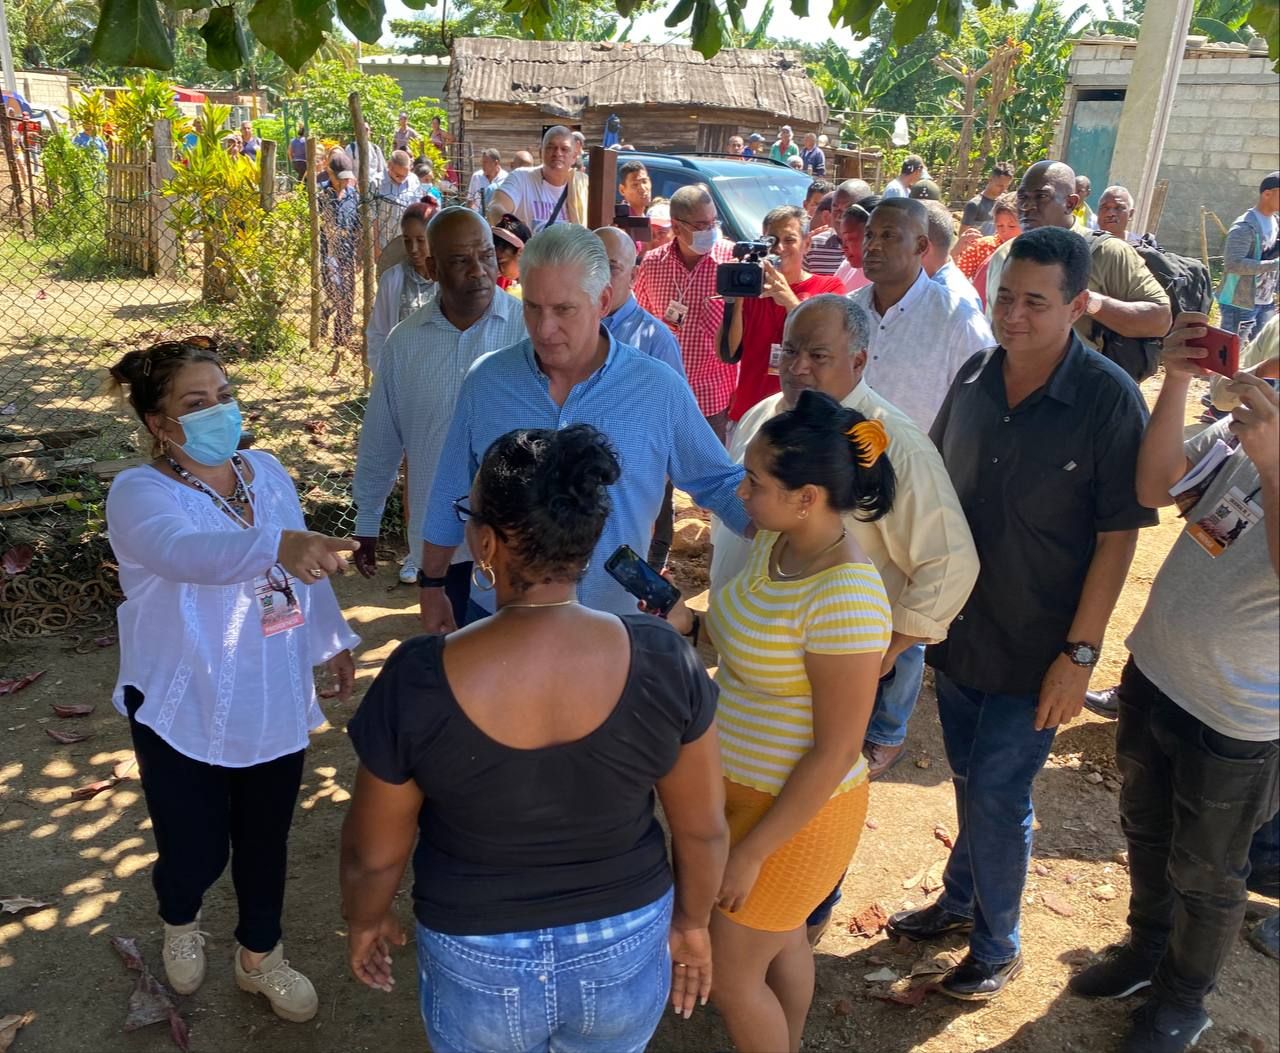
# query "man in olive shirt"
(1124, 296)
(1041, 439)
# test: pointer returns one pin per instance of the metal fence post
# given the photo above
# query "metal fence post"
(366, 231)
(164, 239)
(313, 208)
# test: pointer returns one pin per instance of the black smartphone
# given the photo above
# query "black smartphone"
(642, 581)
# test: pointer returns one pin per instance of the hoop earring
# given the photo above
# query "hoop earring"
(483, 568)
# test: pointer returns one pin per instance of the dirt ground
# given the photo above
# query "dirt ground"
(90, 861)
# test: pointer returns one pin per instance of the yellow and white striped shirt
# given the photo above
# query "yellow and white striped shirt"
(763, 629)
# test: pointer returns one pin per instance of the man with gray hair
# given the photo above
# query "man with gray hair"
(570, 370)
(677, 283)
(1115, 213)
(485, 179)
(937, 261)
(544, 194)
(397, 190)
(922, 548)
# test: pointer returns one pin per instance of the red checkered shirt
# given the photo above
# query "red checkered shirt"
(664, 278)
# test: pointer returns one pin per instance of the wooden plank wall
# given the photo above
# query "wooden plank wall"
(130, 237)
(668, 129)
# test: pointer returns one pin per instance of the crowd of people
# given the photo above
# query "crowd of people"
(922, 444)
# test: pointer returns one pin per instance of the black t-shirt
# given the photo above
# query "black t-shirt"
(978, 211)
(513, 839)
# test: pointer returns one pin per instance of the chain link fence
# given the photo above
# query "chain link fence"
(94, 261)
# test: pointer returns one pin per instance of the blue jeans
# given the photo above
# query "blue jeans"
(995, 754)
(1233, 316)
(896, 699)
(1264, 859)
(595, 987)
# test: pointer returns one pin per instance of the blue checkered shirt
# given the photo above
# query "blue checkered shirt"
(632, 324)
(648, 414)
(420, 370)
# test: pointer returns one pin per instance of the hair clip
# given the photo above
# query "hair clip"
(871, 439)
(146, 368)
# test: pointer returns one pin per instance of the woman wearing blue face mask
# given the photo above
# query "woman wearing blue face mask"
(227, 609)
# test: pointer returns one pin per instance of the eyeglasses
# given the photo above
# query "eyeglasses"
(706, 225)
(462, 509)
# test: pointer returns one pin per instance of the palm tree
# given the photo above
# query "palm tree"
(53, 32)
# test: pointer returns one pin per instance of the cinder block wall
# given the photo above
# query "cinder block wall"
(1224, 131)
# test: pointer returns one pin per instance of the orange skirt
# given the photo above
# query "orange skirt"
(802, 873)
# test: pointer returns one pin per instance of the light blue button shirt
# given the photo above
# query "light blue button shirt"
(420, 371)
(648, 414)
(632, 324)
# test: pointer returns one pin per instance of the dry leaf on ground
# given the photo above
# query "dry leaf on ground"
(885, 975)
(67, 738)
(91, 790)
(10, 1026)
(915, 878)
(12, 687)
(941, 833)
(18, 559)
(933, 876)
(150, 1001)
(66, 711)
(912, 997)
(938, 964)
(17, 904)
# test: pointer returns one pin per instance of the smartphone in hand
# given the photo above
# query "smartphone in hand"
(642, 581)
(1223, 348)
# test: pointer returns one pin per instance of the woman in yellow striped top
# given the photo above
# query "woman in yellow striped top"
(800, 632)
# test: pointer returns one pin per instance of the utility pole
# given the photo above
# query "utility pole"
(1148, 101)
(6, 53)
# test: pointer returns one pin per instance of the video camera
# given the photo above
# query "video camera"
(746, 277)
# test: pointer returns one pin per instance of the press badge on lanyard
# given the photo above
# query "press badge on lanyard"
(274, 591)
(775, 359)
(675, 313)
(1235, 513)
(278, 602)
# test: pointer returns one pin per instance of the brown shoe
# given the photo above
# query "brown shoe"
(881, 758)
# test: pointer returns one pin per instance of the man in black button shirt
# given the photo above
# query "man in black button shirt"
(1041, 439)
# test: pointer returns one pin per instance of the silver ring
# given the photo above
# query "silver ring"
(681, 965)
(316, 572)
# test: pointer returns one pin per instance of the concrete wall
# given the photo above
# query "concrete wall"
(43, 89)
(1224, 131)
(416, 79)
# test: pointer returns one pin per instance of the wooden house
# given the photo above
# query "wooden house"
(505, 93)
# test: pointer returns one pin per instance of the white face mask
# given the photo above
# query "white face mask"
(703, 241)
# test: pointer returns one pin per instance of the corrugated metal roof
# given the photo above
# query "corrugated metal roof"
(566, 77)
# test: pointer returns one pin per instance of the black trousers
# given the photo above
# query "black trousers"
(203, 814)
(457, 587)
(1191, 802)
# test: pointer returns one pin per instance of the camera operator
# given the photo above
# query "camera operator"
(751, 333)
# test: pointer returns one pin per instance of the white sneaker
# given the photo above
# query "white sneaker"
(184, 956)
(290, 993)
(409, 571)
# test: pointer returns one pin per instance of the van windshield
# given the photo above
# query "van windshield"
(750, 196)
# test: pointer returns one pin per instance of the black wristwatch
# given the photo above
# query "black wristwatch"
(425, 582)
(1083, 654)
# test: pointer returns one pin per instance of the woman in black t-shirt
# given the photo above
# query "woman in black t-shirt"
(523, 752)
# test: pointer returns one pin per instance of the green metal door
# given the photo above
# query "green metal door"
(1092, 138)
